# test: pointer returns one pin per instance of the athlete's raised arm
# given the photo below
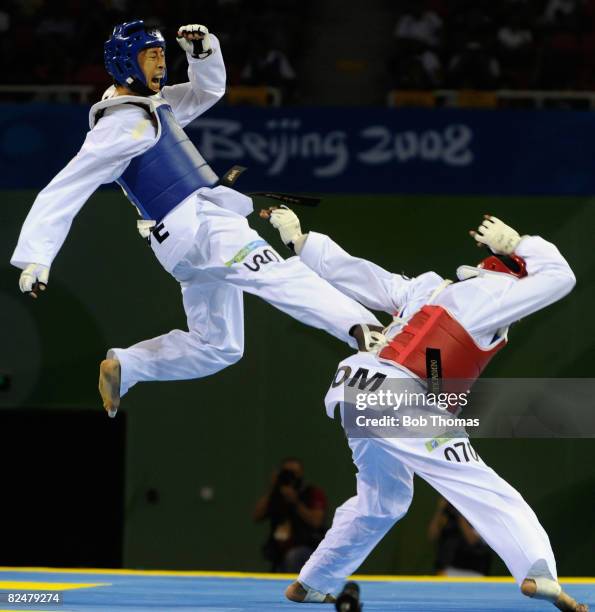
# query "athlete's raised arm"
(544, 276)
(206, 74)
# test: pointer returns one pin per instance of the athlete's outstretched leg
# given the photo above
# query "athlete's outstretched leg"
(496, 511)
(215, 340)
(227, 249)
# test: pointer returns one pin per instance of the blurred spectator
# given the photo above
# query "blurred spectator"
(515, 36)
(460, 549)
(517, 52)
(481, 44)
(562, 12)
(415, 64)
(418, 27)
(260, 39)
(419, 72)
(56, 22)
(269, 67)
(522, 44)
(296, 513)
(474, 68)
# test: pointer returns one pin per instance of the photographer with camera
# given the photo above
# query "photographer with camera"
(296, 513)
(460, 550)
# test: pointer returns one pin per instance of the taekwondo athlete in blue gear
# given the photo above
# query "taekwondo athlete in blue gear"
(196, 226)
(157, 181)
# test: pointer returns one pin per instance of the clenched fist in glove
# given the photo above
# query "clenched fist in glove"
(499, 237)
(288, 224)
(194, 39)
(34, 279)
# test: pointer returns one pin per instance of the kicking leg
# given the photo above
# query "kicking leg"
(228, 249)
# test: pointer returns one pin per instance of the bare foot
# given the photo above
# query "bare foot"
(564, 602)
(109, 385)
(568, 604)
(296, 592)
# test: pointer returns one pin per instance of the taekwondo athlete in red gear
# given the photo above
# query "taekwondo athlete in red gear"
(197, 227)
(524, 275)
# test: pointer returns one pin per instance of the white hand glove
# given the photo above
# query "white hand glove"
(499, 237)
(34, 278)
(195, 39)
(288, 224)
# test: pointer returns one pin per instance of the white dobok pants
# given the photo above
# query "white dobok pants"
(222, 258)
(385, 490)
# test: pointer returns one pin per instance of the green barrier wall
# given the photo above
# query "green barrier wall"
(227, 432)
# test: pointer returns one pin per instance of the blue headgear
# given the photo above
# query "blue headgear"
(121, 54)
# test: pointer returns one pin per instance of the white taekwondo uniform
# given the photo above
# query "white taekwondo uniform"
(483, 305)
(203, 240)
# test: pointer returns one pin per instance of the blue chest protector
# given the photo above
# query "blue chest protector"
(159, 179)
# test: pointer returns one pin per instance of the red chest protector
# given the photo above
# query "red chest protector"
(435, 345)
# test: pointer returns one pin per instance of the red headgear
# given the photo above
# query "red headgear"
(509, 264)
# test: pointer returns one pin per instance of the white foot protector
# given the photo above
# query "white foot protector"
(547, 589)
(312, 595)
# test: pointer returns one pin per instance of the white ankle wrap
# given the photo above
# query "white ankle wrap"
(547, 589)
(312, 595)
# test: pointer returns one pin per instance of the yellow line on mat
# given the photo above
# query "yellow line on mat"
(266, 576)
(12, 585)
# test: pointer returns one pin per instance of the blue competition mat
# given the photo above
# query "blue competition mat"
(138, 591)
